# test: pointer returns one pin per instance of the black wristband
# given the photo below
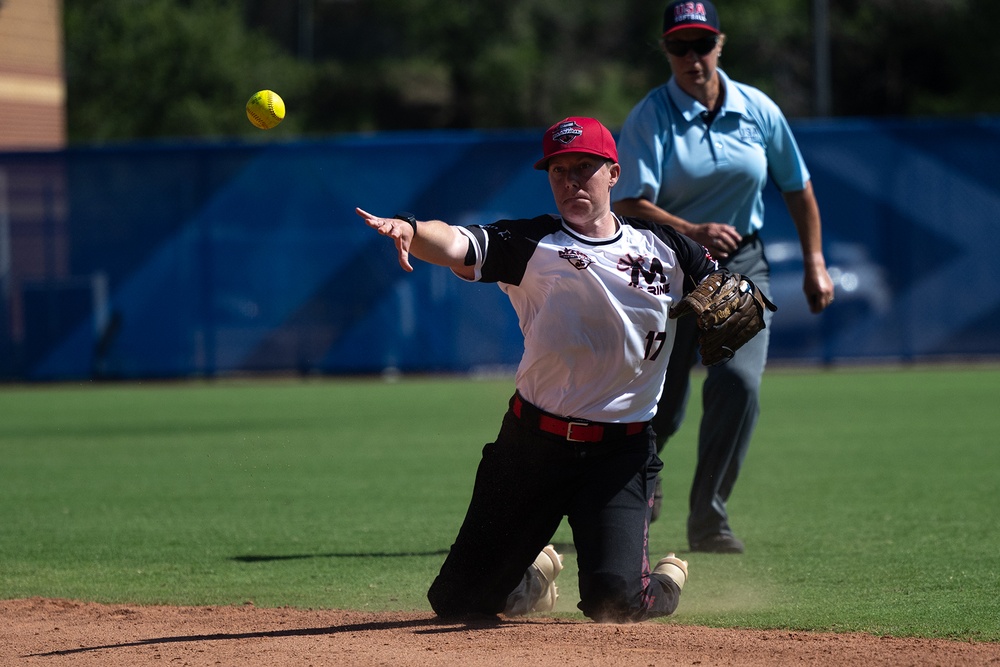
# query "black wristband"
(409, 218)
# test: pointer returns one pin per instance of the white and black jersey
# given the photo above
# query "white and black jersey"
(593, 311)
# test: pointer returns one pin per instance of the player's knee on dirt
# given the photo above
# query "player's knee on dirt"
(454, 601)
(603, 599)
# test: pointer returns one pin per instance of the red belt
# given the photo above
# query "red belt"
(572, 430)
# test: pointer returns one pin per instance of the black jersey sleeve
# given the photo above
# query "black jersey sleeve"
(506, 246)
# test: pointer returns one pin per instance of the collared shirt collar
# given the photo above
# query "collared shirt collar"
(690, 108)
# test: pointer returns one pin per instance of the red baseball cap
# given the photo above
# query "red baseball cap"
(577, 135)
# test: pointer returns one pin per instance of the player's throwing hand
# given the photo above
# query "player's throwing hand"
(399, 230)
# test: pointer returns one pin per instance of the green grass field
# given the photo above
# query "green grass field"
(867, 501)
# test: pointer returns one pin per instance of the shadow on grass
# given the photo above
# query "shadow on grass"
(561, 547)
(371, 554)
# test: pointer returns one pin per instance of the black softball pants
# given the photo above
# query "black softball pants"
(526, 483)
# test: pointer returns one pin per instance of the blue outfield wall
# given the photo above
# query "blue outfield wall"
(158, 261)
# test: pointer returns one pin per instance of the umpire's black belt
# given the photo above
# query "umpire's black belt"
(749, 239)
(572, 430)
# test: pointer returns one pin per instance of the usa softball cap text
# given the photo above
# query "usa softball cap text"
(690, 15)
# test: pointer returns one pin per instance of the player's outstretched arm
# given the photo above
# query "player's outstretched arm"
(433, 241)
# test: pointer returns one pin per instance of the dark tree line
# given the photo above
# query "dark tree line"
(140, 69)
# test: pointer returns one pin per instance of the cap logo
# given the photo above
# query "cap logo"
(577, 135)
(690, 11)
(566, 132)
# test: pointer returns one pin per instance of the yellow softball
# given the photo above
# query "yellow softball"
(265, 109)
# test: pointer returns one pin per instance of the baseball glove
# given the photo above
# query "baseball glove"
(730, 311)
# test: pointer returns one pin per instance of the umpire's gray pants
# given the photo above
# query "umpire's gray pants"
(731, 403)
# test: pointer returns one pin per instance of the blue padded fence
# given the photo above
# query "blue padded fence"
(158, 261)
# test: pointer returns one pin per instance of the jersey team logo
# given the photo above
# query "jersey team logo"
(641, 270)
(576, 258)
(567, 132)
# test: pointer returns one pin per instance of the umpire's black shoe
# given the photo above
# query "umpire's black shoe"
(718, 544)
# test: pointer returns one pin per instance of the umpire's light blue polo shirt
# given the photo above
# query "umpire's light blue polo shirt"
(708, 174)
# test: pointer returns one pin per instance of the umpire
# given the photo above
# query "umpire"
(697, 153)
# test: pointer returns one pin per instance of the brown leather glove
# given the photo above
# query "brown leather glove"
(730, 311)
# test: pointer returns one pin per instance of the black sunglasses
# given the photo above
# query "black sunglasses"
(680, 48)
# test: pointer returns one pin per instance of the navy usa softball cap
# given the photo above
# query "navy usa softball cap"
(690, 15)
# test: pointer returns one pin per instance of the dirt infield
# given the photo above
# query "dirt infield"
(61, 632)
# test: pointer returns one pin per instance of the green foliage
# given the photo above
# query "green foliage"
(138, 69)
(769, 46)
(864, 500)
(484, 64)
(184, 68)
